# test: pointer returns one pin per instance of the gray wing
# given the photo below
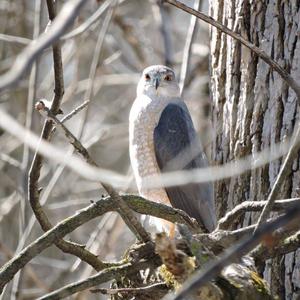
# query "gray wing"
(178, 148)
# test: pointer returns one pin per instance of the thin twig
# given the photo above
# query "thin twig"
(74, 111)
(89, 22)
(14, 39)
(129, 218)
(72, 114)
(188, 47)
(247, 206)
(10, 160)
(66, 16)
(162, 18)
(94, 64)
(233, 254)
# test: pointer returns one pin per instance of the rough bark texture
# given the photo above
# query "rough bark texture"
(254, 109)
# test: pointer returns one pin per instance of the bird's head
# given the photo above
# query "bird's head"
(158, 80)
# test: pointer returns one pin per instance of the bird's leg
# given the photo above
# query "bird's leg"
(169, 228)
(172, 231)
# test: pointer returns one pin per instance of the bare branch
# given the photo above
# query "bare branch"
(89, 22)
(227, 221)
(74, 111)
(218, 240)
(188, 47)
(94, 210)
(95, 60)
(66, 16)
(164, 23)
(14, 39)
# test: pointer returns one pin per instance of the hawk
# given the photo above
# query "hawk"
(162, 138)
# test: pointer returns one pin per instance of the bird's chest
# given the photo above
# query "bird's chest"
(142, 142)
(142, 151)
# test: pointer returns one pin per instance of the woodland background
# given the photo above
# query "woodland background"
(238, 103)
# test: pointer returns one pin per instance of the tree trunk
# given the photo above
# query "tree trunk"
(253, 109)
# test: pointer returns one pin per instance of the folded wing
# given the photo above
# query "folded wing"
(178, 148)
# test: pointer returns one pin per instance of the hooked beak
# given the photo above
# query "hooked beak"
(156, 83)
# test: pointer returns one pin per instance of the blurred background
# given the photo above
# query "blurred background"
(104, 54)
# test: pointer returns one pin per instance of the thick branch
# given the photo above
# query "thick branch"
(219, 240)
(68, 225)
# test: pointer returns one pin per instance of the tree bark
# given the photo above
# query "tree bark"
(253, 109)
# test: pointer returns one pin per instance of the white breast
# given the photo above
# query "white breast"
(144, 117)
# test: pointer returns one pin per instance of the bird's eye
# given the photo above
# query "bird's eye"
(168, 77)
(147, 76)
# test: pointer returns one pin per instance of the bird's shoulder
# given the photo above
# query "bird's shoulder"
(151, 105)
(176, 114)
